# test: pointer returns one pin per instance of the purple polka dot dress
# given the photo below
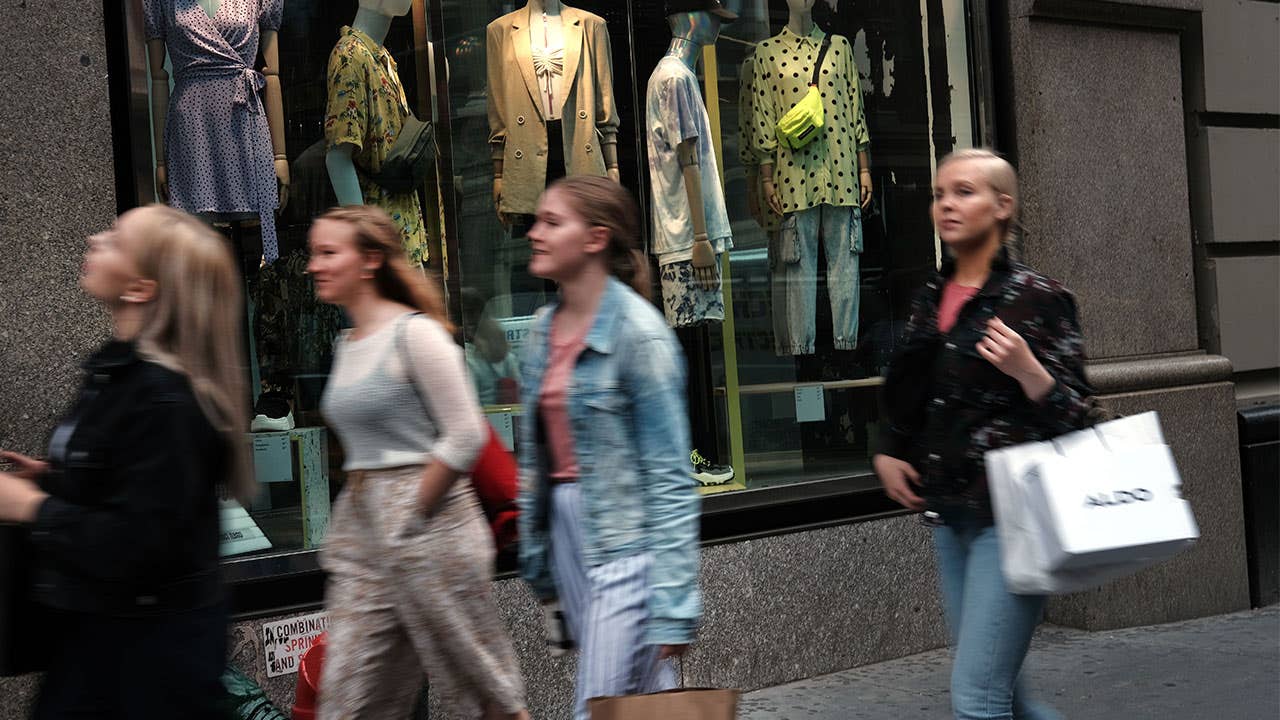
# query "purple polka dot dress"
(217, 143)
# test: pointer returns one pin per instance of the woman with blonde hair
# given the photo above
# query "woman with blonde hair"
(992, 356)
(608, 513)
(123, 514)
(409, 554)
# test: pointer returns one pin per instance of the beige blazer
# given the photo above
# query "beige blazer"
(518, 131)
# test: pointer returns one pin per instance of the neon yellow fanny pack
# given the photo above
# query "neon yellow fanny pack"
(802, 124)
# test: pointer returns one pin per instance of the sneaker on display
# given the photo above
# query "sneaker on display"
(273, 413)
(707, 473)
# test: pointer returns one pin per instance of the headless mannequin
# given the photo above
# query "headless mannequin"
(690, 31)
(272, 101)
(800, 22)
(551, 9)
(373, 19)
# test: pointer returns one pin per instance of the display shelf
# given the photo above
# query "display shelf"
(786, 387)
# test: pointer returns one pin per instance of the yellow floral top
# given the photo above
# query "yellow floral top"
(367, 108)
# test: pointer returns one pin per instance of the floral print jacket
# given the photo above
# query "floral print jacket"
(946, 406)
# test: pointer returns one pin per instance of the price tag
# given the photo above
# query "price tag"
(272, 461)
(810, 405)
(505, 427)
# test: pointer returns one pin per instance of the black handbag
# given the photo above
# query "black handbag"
(410, 158)
(22, 648)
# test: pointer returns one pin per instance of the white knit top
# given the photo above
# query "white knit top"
(372, 403)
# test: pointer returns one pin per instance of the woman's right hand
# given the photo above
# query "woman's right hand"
(899, 479)
(28, 468)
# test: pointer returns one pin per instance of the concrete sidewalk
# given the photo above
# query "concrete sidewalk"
(1220, 668)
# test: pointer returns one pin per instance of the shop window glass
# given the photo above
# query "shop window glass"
(784, 390)
(290, 335)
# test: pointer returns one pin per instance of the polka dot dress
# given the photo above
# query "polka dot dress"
(826, 170)
(218, 152)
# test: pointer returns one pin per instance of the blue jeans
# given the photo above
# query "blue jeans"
(797, 270)
(991, 628)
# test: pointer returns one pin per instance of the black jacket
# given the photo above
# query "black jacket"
(946, 405)
(131, 524)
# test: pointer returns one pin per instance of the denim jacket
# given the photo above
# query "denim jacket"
(627, 408)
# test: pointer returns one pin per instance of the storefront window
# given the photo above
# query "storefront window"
(783, 389)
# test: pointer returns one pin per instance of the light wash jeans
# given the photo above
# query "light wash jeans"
(796, 270)
(991, 628)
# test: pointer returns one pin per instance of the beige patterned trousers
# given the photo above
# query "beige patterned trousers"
(407, 594)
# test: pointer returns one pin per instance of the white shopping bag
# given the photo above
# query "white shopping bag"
(1088, 507)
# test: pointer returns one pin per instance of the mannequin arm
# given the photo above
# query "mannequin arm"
(864, 178)
(704, 256)
(610, 150)
(342, 173)
(770, 193)
(275, 110)
(159, 112)
(504, 218)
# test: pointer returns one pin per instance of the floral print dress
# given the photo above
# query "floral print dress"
(367, 108)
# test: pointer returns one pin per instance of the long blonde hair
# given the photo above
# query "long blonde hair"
(395, 279)
(193, 324)
(601, 202)
(999, 174)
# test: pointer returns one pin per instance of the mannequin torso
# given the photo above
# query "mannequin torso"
(690, 33)
(800, 22)
(546, 41)
(547, 61)
(228, 94)
(371, 21)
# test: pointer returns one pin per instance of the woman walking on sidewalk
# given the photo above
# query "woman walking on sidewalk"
(124, 512)
(409, 554)
(991, 357)
(608, 512)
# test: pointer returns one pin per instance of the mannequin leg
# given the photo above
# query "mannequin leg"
(842, 240)
(798, 239)
(702, 412)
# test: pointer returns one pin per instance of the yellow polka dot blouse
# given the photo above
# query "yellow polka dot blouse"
(825, 170)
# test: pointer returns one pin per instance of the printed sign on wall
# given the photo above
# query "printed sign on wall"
(284, 641)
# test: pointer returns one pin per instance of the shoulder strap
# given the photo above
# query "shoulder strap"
(403, 353)
(822, 54)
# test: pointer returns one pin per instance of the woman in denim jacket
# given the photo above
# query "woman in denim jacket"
(608, 512)
(992, 356)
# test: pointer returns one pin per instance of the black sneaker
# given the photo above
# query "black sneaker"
(273, 413)
(707, 473)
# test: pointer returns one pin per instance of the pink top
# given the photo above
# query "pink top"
(554, 405)
(953, 298)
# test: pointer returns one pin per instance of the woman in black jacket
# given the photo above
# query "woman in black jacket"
(123, 515)
(992, 356)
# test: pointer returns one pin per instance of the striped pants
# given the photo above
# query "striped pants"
(605, 608)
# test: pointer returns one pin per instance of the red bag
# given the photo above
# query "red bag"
(494, 476)
(495, 479)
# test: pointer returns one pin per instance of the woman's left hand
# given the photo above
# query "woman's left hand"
(1009, 353)
(19, 499)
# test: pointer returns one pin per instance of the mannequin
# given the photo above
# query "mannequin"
(682, 163)
(818, 190)
(220, 102)
(551, 105)
(367, 107)
(690, 223)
